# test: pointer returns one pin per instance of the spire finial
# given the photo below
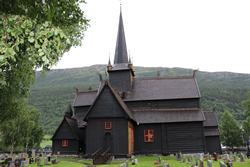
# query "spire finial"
(129, 61)
(109, 63)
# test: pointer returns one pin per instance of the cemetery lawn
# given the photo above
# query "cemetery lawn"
(142, 162)
(44, 143)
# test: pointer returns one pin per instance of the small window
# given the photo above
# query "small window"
(133, 139)
(149, 135)
(108, 125)
(65, 143)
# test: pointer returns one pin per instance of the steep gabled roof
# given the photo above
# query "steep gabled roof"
(118, 98)
(211, 132)
(163, 88)
(211, 119)
(168, 115)
(74, 128)
(84, 98)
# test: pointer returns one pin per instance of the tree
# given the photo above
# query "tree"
(246, 123)
(231, 134)
(34, 35)
(22, 129)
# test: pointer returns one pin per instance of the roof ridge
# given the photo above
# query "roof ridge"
(162, 78)
(177, 109)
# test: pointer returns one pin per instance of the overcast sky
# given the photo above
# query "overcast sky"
(212, 35)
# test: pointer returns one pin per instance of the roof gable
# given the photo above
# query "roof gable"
(68, 129)
(108, 103)
(211, 119)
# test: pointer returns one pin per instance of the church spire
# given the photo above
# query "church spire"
(121, 55)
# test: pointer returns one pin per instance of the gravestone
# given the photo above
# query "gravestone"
(24, 164)
(183, 158)
(166, 165)
(215, 156)
(242, 157)
(200, 163)
(227, 157)
(189, 159)
(207, 155)
(11, 164)
(192, 158)
(229, 164)
(127, 163)
(210, 157)
(209, 163)
(39, 162)
(123, 165)
(54, 161)
(45, 161)
(222, 164)
(25, 155)
(17, 162)
(235, 153)
(159, 159)
(136, 161)
(235, 157)
(163, 162)
(33, 154)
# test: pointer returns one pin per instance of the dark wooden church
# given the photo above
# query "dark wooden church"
(129, 115)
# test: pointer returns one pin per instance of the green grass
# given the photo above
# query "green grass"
(44, 143)
(47, 136)
(147, 161)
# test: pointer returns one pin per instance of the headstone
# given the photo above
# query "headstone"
(39, 162)
(222, 164)
(183, 158)
(242, 157)
(227, 157)
(192, 158)
(163, 162)
(235, 153)
(189, 159)
(17, 162)
(215, 156)
(235, 157)
(209, 163)
(210, 156)
(207, 155)
(24, 164)
(11, 164)
(200, 163)
(54, 161)
(127, 163)
(136, 161)
(25, 155)
(45, 161)
(33, 153)
(159, 159)
(229, 164)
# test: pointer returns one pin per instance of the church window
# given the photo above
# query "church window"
(65, 143)
(108, 125)
(149, 135)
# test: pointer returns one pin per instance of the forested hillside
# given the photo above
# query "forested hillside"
(51, 96)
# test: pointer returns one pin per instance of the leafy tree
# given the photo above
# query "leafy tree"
(246, 123)
(34, 35)
(231, 134)
(23, 129)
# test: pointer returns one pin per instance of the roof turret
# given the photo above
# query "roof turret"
(69, 112)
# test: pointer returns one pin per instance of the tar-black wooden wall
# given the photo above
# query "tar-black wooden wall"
(141, 146)
(121, 80)
(64, 132)
(163, 104)
(213, 144)
(72, 148)
(184, 137)
(106, 105)
(96, 135)
(81, 110)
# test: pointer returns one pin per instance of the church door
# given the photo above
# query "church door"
(108, 142)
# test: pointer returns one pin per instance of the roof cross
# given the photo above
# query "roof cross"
(158, 74)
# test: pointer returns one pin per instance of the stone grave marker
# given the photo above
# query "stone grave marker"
(33, 154)
(17, 161)
(45, 161)
(200, 163)
(54, 161)
(123, 165)
(25, 155)
(229, 164)
(210, 156)
(39, 162)
(222, 164)
(209, 163)
(242, 157)
(192, 158)
(183, 158)
(136, 161)
(24, 164)
(215, 156)
(163, 162)
(189, 159)
(11, 164)
(127, 163)
(235, 157)
(227, 157)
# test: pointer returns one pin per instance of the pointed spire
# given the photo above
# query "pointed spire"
(69, 111)
(121, 55)
(109, 64)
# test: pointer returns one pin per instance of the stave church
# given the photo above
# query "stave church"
(128, 115)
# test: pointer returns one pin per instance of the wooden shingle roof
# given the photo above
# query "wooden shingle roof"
(211, 119)
(163, 88)
(84, 98)
(168, 115)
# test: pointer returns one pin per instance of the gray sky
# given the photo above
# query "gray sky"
(210, 35)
